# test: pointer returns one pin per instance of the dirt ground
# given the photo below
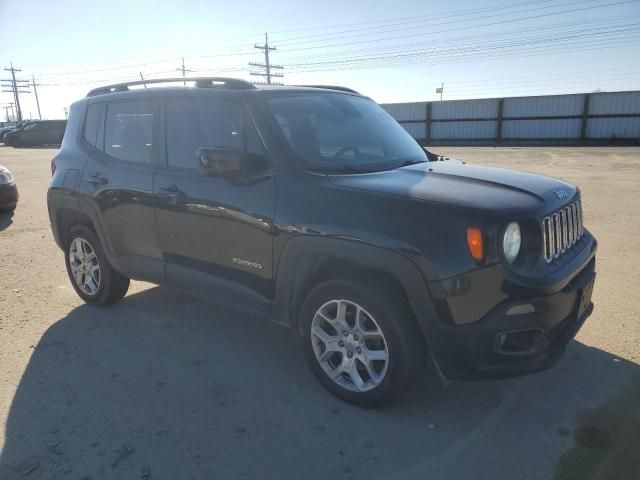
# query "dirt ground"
(164, 386)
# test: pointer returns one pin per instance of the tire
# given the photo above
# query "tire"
(401, 341)
(108, 286)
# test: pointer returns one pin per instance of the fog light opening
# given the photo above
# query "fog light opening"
(519, 342)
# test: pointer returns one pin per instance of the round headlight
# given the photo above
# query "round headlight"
(511, 242)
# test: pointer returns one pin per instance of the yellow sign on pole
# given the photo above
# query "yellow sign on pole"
(439, 89)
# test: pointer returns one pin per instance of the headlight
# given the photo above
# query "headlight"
(511, 242)
(5, 177)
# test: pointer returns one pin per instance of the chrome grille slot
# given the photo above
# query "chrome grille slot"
(561, 230)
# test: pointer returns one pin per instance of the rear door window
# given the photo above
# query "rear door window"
(129, 130)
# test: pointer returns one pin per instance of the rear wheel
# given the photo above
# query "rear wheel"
(91, 275)
(361, 341)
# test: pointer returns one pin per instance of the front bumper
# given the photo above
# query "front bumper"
(8, 196)
(524, 333)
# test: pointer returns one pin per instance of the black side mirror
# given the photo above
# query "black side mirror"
(220, 161)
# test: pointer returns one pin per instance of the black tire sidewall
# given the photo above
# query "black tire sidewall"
(388, 312)
(106, 271)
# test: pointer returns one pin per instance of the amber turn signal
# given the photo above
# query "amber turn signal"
(474, 241)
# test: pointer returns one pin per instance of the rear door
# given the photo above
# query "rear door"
(216, 233)
(122, 141)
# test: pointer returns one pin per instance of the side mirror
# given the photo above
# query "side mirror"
(220, 161)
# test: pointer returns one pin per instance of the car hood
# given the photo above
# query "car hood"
(474, 187)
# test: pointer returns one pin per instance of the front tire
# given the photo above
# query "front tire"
(361, 341)
(90, 273)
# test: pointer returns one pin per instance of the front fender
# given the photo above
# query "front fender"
(303, 255)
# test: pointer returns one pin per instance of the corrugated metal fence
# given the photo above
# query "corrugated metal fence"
(578, 118)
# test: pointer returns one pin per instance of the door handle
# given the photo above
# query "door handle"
(96, 179)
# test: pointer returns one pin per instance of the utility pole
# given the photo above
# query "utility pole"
(266, 67)
(13, 111)
(15, 88)
(8, 115)
(35, 91)
(184, 71)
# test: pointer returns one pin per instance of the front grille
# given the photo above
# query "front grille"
(561, 230)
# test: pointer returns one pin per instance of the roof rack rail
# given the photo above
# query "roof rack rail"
(201, 82)
(331, 87)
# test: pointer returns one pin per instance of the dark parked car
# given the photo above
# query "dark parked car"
(8, 191)
(5, 130)
(17, 126)
(41, 132)
(314, 208)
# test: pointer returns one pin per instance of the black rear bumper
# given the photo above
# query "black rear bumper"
(8, 196)
(521, 335)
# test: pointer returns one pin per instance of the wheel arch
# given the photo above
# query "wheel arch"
(66, 211)
(307, 261)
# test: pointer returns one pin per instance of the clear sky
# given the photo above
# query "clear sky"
(391, 50)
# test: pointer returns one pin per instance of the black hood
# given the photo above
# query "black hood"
(476, 187)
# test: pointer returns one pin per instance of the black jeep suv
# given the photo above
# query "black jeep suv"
(312, 207)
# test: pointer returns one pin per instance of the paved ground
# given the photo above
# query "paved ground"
(164, 386)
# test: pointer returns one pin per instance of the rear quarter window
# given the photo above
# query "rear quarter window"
(91, 124)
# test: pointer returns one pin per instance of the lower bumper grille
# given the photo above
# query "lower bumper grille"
(561, 230)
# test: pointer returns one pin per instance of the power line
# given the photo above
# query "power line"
(423, 19)
(431, 32)
(475, 52)
(412, 19)
(449, 41)
(266, 67)
(593, 34)
(378, 39)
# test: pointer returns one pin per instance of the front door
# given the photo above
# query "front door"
(215, 233)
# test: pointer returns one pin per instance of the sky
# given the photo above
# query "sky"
(392, 51)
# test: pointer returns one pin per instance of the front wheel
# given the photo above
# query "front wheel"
(91, 275)
(361, 342)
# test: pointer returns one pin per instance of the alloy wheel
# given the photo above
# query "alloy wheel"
(349, 345)
(85, 268)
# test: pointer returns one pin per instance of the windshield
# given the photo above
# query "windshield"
(338, 132)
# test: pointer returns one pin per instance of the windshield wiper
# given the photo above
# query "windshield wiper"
(407, 163)
(356, 169)
(370, 168)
